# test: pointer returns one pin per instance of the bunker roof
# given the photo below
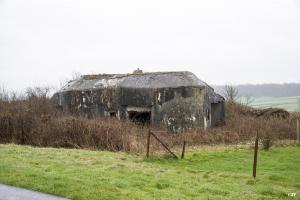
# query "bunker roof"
(140, 80)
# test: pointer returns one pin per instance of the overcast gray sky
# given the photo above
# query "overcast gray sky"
(230, 41)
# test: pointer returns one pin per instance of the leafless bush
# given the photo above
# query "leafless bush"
(248, 100)
(32, 119)
(230, 93)
(267, 143)
(4, 95)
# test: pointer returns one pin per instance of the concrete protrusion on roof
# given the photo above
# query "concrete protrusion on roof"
(138, 71)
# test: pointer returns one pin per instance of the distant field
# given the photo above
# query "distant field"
(291, 104)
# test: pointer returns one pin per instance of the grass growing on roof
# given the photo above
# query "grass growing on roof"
(83, 174)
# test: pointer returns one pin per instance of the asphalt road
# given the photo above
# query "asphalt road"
(14, 193)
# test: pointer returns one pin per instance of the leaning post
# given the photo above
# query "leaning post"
(148, 143)
(255, 156)
(164, 145)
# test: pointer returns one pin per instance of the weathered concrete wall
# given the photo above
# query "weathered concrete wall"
(217, 113)
(137, 97)
(89, 103)
(206, 110)
(176, 108)
(179, 109)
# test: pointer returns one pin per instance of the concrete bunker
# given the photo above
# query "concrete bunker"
(176, 100)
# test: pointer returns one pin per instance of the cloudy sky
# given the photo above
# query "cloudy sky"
(221, 41)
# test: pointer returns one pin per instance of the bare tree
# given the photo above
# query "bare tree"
(4, 95)
(230, 92)
(76, 75)
(248, 100)
(64, 81)
(8, 96)
(37, 92)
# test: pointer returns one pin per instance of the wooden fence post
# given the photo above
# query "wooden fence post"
(298, 131)
(183, 150)
(148, 143)
(255, 156)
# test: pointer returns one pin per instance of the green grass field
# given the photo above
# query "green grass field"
(221, 173)
(291, 104)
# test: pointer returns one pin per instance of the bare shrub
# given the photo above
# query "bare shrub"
(230, 93)
(267, 143)
(32, 119)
